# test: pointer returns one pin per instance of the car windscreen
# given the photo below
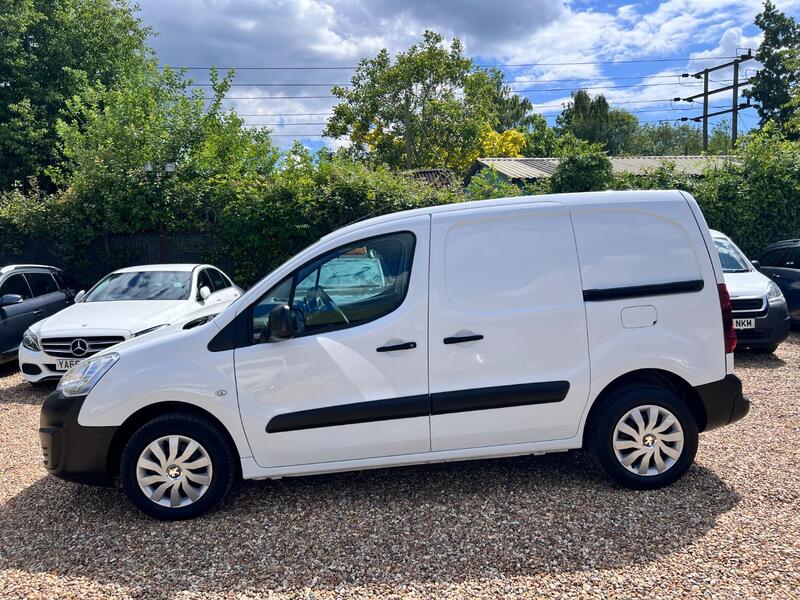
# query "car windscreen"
(732, 260)
(142, 285)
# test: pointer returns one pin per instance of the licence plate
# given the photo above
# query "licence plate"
(744, 323)
(66, 364)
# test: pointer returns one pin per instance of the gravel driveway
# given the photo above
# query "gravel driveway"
(534, 526)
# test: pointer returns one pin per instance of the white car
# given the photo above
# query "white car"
(125, 304)
(760, 314)
(475, 330)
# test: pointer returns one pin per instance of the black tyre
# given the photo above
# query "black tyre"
(177, 466)
(645, 437)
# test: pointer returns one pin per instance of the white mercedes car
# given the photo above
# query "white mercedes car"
(124, 304)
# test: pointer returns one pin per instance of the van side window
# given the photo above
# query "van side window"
(16, 284)
(349, 286)
(772, 258)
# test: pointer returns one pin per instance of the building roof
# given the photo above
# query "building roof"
(438, 178)
(540, 168)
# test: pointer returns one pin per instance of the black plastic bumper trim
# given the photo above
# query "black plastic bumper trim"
(72, 451)
(641, 291)
(723, 401)
(440, 403)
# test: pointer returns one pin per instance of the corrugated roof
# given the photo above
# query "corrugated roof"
(539, 168)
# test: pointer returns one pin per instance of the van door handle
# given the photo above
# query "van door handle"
(462, 338)
(38, 311)
(392, 348)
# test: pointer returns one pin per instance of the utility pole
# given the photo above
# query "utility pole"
(735, 105)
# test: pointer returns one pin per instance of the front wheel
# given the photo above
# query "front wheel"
(645, 438)
(177, 466)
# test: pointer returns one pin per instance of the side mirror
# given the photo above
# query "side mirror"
(10, 299)
(756, 265)
(79, 296)
(281, 322)
(204, 292)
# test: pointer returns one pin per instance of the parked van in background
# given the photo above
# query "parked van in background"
(760, 315)
(475, 330)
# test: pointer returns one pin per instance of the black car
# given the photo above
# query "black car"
(781, 263)
(28, 293)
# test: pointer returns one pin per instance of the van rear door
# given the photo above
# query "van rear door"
(508, 348)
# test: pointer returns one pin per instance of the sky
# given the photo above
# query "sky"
(633, 53)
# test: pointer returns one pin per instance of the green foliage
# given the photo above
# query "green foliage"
(772, 86)
(592, 120)
(117, 142)
(49, 52)
(666, 139)
(424, 109)
(490, 184)
(540, 139)
(756, 199)
(273, 219)
(582, 169)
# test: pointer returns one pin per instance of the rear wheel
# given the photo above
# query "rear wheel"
(645, 438)
(177, 466)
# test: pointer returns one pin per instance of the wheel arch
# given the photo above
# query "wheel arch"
(147, 413)
(658, 377)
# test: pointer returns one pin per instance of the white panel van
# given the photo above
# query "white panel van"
(475, 330)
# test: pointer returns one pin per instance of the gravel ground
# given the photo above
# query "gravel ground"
(537, 526)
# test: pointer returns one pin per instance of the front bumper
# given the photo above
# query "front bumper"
(723, 402)
(38, 366)
(771, 327)
(72, 451)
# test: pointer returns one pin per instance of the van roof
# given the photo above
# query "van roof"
(574, 199)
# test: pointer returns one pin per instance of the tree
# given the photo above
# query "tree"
(116, 144)
(771, 87)
(424, 109)
(541, 140)
(490, 184)
(507, 144)
(582, 168)
(592, 120)
(49, 52)
(514, 111)
(666, 139)
(719, 142)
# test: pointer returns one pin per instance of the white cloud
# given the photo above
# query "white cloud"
(335, 33)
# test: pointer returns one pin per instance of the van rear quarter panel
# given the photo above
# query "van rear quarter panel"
(639, 243)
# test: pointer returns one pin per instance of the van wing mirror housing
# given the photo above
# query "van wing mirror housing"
(79, 296)
(756, 265)
(10, 299)
(204, 292)
(281, 322)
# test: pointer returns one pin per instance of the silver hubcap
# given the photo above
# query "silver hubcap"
(174, 471)
(648, 440)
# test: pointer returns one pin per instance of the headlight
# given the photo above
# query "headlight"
(81, 378)
(774, 292)
(30, 341)
(150, 329)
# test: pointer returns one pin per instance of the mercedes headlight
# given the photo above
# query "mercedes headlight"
(30, 341)
(774, 292)
(81, 378)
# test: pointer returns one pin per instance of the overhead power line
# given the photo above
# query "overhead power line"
(483, 66)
